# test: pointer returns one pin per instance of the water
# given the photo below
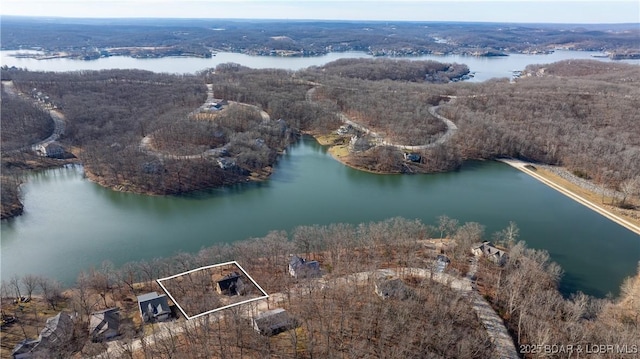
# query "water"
(71, 224)
(484, 67)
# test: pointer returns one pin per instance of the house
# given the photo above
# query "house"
(301, 268)
(230, 284)
(226, 163)
(153, 307)
(488, 250)
(56, 334)
(392, 288)
(273, 322)
(103, 325)
(412, 157)
(52, 150)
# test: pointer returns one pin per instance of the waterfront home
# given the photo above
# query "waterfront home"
(488, 250)
(412, 157)
(230, 284)
(52, 150)
(301, 268)
(153, 307)
(273, 322)
(104, 325)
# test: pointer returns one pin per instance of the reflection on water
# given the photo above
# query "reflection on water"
(71, 224)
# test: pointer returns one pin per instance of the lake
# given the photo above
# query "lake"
(483, 67)
(71, 224)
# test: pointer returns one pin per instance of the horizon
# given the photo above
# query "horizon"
(570, 12)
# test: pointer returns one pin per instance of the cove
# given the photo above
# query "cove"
(71, 224)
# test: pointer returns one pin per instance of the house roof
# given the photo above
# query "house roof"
(103, 321)
(25, 346)
(57, 330)
(297, 263)
(152, 304)
(274, 321)
(59, 326)
(231, 282)
(489, 250)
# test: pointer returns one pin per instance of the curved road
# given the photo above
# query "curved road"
(378, 139)
(56, 116)
(146, 146)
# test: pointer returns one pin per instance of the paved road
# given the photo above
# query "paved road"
(146, 145)
(56, 116)
(379, 139)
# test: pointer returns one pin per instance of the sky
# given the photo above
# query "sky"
(517, 11)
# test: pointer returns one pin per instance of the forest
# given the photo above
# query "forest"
(93, 38)
(339, 317)
(577, 114)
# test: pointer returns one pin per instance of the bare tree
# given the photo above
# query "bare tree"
(447, 226)
(14, 282)
(629, 188)
(52, 291)
(30, 283)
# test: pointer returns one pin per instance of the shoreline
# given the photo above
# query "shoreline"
(333, 150)
(520, 165)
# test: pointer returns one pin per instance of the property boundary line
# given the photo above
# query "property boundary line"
(159, 281)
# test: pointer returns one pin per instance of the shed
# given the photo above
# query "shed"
(301, 268)
(153, 307)
(104, 325)
(274, 321)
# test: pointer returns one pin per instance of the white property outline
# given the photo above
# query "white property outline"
(159, 281)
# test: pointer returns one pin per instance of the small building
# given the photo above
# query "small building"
(153, 307)
(301, 268)
(230, 284)
(488, 250)
(273, 322)
(104, 325)
(392, 288)
(52, 150)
